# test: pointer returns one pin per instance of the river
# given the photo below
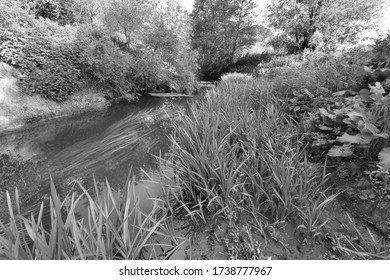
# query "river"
(117, 144)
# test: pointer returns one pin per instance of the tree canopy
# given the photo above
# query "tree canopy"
(307, 24)
(122, 46)
(222, 30)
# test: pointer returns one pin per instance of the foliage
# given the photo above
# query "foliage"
(60, 11)
(237, 147)
(169, 38)
(360, 120)
(236, 77)
(13, 13)
(129, 17)
(103, 63)
(48, 62)
(8, 72)
(249, 62)
(56, 81)
(317, 72)
(222, 30)
(353, 120)
(87, 11)
(322, 23)
(57, 59)
(114, 228)
(382, 49)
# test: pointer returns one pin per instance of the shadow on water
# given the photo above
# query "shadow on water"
(104, 145)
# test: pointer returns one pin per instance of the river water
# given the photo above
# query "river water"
(117, 144)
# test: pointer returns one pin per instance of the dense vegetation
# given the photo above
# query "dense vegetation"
(306, 131)
(321, 24)
(59, 46)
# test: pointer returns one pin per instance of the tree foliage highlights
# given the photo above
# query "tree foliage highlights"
(308, 24)
(222, 31)
(157, 34)
(123, 47)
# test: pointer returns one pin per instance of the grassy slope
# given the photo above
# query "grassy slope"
(17, 109)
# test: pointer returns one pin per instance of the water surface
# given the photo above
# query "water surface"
(113, 145)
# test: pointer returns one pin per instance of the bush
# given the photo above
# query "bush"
(316, 70)
(382, 50)
(43, 55)
(108, 62)
(55, 81)
(103, 63)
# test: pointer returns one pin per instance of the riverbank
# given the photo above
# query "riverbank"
(18, 109)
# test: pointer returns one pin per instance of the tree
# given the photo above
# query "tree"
(222, 30)
(87, 11)
(306, 24)
(129, 18)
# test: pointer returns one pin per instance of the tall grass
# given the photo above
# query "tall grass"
(114, 227)
(238, 147)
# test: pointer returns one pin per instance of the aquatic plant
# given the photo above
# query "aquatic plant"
(114, 227)
(237, 147)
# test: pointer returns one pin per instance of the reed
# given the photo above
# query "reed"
(113, 228)
(238, 147)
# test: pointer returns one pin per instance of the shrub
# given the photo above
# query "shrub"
(107, 61)
(382, 49)
(48, 61)
(316, 71)
(103, 63)
(55, 81)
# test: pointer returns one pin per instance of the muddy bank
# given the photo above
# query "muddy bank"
(18, 109)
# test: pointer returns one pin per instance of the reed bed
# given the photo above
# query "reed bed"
(237, 148)
(113, 228)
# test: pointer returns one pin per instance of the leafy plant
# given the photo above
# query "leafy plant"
(114, 228)
(238, 143)
(310, 214)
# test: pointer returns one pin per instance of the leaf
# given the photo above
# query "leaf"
(327, 118)
(369, 70)
(377, 89)
(365, 95)
(339, 93)
(384, 159)
(355, 139)
(369, 129)
(324, 112)
(341, 151)
(321, 142)
(348, 121)
(355, 116)
(386, 100)
(325, 128)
